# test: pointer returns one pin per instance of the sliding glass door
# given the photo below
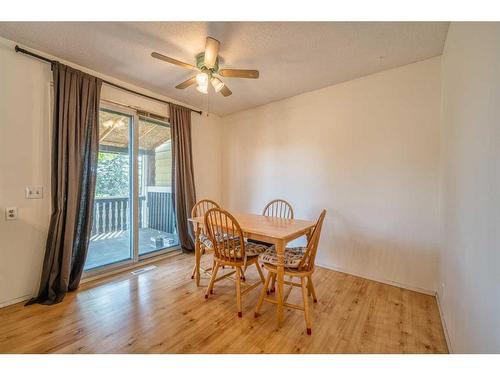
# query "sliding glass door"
(157, 230)
(133, 208)
(110, 241)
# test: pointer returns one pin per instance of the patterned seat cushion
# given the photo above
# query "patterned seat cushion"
(251, 250)
(205, 240)
(293, 256)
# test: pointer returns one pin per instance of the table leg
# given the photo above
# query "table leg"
(197, 255)
(280, 277)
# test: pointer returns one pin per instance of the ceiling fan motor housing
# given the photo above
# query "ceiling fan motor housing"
(200, 63)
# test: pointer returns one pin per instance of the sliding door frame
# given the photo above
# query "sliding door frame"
(133, 196)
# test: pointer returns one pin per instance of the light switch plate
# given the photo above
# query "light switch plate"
(34, 192)
(11, 213)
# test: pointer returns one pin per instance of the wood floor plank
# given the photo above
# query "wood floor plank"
(162, 311)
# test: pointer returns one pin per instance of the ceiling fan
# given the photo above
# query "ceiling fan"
(207, 64)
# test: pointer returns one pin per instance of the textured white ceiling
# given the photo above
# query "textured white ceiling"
(292, 57)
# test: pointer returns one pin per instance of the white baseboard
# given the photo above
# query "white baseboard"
(380, 280)
(16, 300)
(443, 323)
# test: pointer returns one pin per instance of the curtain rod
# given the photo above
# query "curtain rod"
(26, 52)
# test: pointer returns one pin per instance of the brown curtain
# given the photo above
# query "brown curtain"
(75, 147)
(183, 191)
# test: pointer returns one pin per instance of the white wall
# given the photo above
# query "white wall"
(469, 289)
(368, 151)
(25, 160)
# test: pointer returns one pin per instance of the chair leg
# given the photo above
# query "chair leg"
(273, 284)
(210, 287)
(213, 264)
(311, 289)
(260, 272)
(262, 295)
(194, 272)
(306, 304)
(238, 291)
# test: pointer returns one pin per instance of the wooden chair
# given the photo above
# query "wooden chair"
(231, 250)
(278, 208)
(200, 209)
(299, 262)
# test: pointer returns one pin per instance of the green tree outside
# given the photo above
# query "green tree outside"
(112, 175)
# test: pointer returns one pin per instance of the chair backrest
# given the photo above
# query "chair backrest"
(278, 208)
(307, 262)
(201, 207)
(226, 235)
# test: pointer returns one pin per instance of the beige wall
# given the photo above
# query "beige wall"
(25, 160)
(469, 281)
(368, 151)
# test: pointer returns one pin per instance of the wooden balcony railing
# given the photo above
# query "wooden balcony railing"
(111, 214)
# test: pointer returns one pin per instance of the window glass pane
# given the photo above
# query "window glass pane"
(111, 227)
(157, 230)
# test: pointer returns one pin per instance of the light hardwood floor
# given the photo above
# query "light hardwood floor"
(162, 311)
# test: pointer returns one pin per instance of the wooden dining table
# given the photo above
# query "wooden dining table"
(274, 230)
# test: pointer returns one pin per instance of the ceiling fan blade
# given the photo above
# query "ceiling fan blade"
(225, 91)
(239, 73)
(170, 60)
(211, 52)
(186, 83)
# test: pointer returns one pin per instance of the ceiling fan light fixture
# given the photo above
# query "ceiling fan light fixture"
(217, 84)
(202, 79)
(202, 89)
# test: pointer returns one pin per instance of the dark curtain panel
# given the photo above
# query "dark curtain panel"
(75, 147)
(183, 191)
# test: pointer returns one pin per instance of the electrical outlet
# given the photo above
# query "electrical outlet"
(11, 213)
(34, 192)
